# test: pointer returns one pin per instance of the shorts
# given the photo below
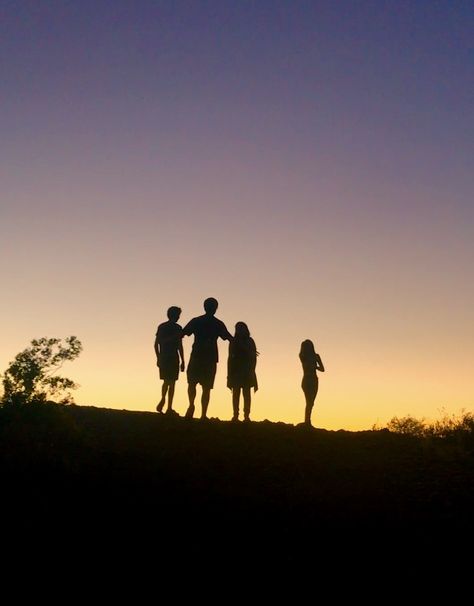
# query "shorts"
(201, 371)
(169, 368)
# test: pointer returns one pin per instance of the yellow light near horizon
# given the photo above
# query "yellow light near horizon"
(359, 401)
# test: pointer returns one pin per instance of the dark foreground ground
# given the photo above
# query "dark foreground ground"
(134, 482)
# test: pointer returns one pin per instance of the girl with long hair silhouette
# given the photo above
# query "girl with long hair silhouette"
(311, 362)
(241, 365)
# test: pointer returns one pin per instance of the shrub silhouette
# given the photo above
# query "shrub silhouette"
(448, 426)
(31, 376)
(407, 426)
(451, 425)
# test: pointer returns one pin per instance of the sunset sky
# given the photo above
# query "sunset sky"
(309, 164)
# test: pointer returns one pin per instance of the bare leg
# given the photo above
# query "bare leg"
(171, 395)
(310, 397)
(161, 403)
(247, 400)
(192, 397)
(235, 402)
(206, 394)
(309, 407)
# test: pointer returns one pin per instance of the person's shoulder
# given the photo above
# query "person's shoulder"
(177, 329)
(196, 321)
(165, 327)
(189, 327)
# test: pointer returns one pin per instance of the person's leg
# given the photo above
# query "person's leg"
(161, 403)
(235, 402)
(310, 404)
(170, 395)
(206, 395)
(247, 400)
(309, 397)
(191, 397)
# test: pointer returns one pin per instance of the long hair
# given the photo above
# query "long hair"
(242, 331)
(243, 340)
(307, 350)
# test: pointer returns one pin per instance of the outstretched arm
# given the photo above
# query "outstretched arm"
(319, 363)
(188, 329)
(224, 333)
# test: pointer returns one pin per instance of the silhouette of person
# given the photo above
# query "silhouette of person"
(311, 362)
(204, 354)
(169, 355)
(241, 364)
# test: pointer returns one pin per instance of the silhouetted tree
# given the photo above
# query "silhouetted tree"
(31, 376)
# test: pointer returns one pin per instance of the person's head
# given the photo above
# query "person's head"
(210, 306)
(242, 330)
(307, 348)
(173, 313)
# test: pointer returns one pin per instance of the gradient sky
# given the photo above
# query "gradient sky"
(309, 164)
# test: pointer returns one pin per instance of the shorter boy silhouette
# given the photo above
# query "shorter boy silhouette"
(169, 355)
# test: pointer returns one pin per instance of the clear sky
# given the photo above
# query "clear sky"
(309, 164)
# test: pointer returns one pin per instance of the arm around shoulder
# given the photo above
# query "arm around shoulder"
(224, 333)
(188, 329)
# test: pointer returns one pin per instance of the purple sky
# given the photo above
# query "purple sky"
(308, 163)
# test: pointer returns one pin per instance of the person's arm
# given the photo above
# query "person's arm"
(230, 365)
(224, 333)
(253, 353)
(319, 363)
(181, 354)
(188, 329)
(254, 363)
(157, 350)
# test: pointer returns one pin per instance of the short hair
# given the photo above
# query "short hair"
(173, 312)
(210, 305)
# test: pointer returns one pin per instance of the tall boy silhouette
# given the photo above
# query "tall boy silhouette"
(204, 355)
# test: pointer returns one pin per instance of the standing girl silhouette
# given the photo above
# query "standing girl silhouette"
(241, 369)
(311, 362)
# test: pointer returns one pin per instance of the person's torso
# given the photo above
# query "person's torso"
(243, 352)
(206, 330)
(169, 337)
(309, 365)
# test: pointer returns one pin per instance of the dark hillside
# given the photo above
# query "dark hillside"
(98, 476)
